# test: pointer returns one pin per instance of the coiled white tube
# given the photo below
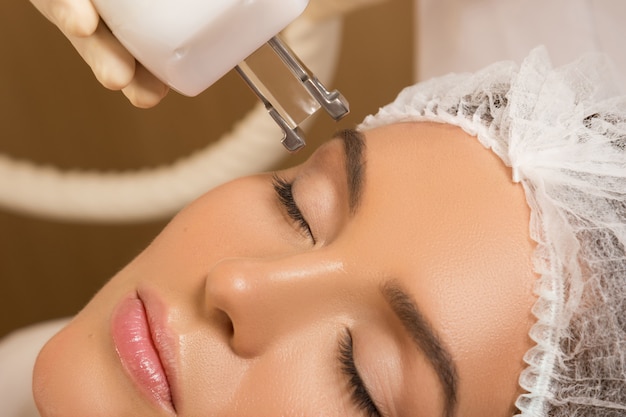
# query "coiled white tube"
(252, 145)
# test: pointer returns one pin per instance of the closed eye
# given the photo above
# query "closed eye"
(360, 396)
(283, 189)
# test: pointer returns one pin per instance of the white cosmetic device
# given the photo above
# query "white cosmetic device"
(190, 44)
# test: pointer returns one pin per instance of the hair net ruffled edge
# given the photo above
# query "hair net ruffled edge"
(563, 133)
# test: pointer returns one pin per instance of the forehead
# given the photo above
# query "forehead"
(440, 171)
(440, 200)
(435, 174)
(441, 214)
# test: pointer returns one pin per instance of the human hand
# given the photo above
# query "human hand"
(114, 67)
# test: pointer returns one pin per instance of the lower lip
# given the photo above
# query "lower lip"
(137, 352)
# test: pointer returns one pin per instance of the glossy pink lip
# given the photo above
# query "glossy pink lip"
(141, 341)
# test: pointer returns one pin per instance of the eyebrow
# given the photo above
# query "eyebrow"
(405, 308)
(426, 340)
(354, 146)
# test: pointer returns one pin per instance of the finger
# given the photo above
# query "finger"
(145, 90)
(73, 17)
(111, 63)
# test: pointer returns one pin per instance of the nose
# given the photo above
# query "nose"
(263, 300)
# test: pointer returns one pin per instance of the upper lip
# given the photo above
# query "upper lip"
(146, 346)
(162, 337)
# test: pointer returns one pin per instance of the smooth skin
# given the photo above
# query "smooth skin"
(258, 307)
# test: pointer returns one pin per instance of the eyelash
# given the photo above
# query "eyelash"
(284, 193)
(360, 396)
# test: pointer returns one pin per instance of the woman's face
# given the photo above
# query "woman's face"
(389, 274)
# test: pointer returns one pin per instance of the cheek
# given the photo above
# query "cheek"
(297, 376)
(240, 219)
(75, 376)
(298, 383)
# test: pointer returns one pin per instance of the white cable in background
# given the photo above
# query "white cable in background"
(253, 145)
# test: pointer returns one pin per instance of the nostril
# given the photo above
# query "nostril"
(224, 323)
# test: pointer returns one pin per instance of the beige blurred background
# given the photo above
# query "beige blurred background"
(53, 111)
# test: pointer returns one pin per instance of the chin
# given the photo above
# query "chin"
(53, 376)
(75, 376)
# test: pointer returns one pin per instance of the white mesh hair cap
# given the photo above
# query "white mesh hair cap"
(563, 132)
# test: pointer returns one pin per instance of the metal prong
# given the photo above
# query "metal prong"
(293, 139)
(289, 93)
(333, 102)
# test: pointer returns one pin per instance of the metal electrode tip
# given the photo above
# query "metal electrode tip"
(290, 93)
